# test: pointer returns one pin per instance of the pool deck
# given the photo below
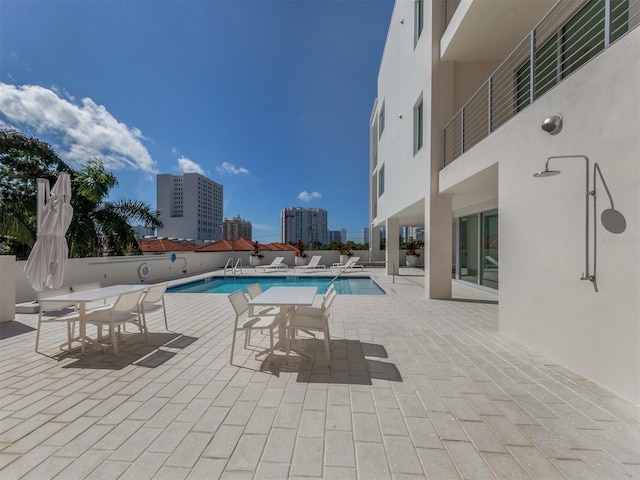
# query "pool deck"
(416, 389)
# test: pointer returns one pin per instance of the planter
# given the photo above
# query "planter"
(300, 261)
(255, 261)
(412, 260)
(344, 259)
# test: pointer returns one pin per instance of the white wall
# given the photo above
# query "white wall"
(404, 75)
(543, 303)
(116, 270)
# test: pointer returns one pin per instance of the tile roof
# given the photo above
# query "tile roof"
(152, 245)
(242, 245)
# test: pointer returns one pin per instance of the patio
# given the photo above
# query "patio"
(417, 389)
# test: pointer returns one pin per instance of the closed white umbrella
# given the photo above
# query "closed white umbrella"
(45, 266)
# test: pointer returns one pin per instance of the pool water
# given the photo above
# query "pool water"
(344, 286)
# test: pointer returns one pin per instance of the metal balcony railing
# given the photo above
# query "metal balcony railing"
(449, 9)
(572, 33)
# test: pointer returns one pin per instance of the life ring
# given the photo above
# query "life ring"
(144, 270)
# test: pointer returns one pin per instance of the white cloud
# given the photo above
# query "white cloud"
(86, 130)
(307, 197)
(231, 169)
(186, 165)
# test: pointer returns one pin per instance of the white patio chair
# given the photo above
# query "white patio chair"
(246, 323)
(277, 263)
(314, 319)
(126, 309)
(314, 263)
(254, 290)
(152, 300)
(63, 315)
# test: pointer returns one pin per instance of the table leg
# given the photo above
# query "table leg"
(83, 325)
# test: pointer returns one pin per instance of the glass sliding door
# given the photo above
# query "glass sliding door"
(468, 248)
(478, 258)
(489, 245)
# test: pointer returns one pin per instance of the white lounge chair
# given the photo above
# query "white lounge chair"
(314, 263)
(277, 263)
(351, 264)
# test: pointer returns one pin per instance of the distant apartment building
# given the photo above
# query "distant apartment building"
(237, 228)
(473, 98)
(335, 236)
(306, 224)
(190, 205)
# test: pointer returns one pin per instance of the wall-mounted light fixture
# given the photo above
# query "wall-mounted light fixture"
(611, 219)
(553, 124)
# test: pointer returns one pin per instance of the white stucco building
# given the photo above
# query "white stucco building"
(190, 205)
(456, 136)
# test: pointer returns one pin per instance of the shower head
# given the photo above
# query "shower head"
(546, 173)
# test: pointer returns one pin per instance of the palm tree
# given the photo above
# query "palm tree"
(96, 225)
(99, 225)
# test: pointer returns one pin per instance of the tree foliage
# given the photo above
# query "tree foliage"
(97, 224)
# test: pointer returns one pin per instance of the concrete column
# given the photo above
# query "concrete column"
(393, 246)
(7, 288)
(374, 243)
(438, 249)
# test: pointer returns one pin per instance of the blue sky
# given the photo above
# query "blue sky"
(271, 99)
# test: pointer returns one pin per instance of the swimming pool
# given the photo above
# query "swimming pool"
(344, 286)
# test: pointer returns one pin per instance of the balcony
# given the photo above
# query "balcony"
(570, 34)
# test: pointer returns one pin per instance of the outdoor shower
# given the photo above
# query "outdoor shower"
(610, 218)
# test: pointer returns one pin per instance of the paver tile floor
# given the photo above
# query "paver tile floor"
(416, 388)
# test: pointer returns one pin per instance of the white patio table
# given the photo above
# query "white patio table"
(84, 297)
(286, 298)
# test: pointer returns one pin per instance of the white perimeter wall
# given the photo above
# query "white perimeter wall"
(117, 270)
(543, 303)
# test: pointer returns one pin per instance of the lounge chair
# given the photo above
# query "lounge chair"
(277, 263)
(314, 263)
(349, 266)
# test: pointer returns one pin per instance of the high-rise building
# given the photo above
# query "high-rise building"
(306, 224)
(365, 235)
(335, 236)
(473, 98)
(237, 228)
(190, 205)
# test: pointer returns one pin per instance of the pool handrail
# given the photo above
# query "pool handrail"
(393, 275)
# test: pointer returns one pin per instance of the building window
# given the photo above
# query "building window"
(381, 121)
(419, 16)
(418, 126)
(381, 181)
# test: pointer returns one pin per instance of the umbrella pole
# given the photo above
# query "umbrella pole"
(43, 196)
